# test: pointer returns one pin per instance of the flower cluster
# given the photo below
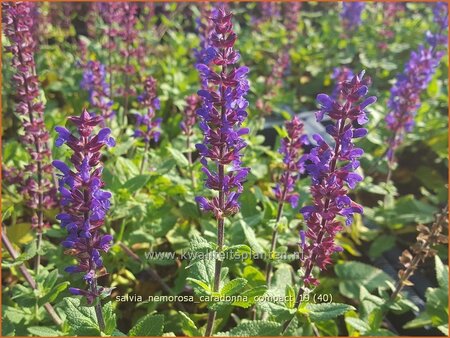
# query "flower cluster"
(37, 187)
(332, 169)
(351, 14)
(84, 202)
(405, 94)
(204, 30)
(291, 147)
(292, 16)
(440, 12)
(94, 82)
(340, 75)
(147, 127)
(190, 116)
(270, 10)
(221, 115)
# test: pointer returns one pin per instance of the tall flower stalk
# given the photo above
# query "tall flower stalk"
(351, 15)
(405, 93)
(94, 81)
(291, 148)
(189, 120)
(147, 126)
(38, 187)
(331, 168)
(221, 116)
(85, 204)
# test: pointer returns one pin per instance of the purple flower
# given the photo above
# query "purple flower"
(205, 26)
(405, 94)
(292, 16)
(340, 75)
(351, 15)
(291, 147)
(221, 116)
(190, 116)
(440, 12)
(331, 167)
(83, 201)
(147, 127)
(94, 82)
(36, 184)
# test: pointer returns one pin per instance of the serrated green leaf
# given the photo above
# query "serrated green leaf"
(354, 274)
(205, 287)
(441, 273)
(290, 296)
(256, 328)
(326, 311)
(188, 326)
(82, 320)
(233, 287)
(42, 331)
(357, 324)
(150, 325)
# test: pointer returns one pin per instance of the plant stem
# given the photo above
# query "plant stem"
(48, 307)
(220, 220)
(38, 255)
(98, 307)
(322, 232)
(144, 158)
(191, 166)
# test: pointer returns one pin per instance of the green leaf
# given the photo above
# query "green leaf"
(250, 296)
(110, 318)
(52, 294)
(326, 311)
(254, 276)
(354, 274)
(205, 287)
(188, 326)
(150, 325)
(233, 287)
(380, 245)
(420, 321)
(256, 328)
(81, 319)
(357, 324)
(42, 331)
(290, 296)
(441, 273)
(136, 183)
(178, 156)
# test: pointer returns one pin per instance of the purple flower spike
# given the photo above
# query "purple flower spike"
(94, 81)
(331, 168)
(147, 127)
(291, 147)
(35, 182)
(84, 203)
(405, 95)
(221, 116)
(351, 15)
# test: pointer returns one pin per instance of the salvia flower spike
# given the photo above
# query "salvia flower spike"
(332, 170)
(94, 81)
(221, 115)
(291, 148)
(37, 184)
(147, 126)
(351, 14)
(418, 73)
(84, 202)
